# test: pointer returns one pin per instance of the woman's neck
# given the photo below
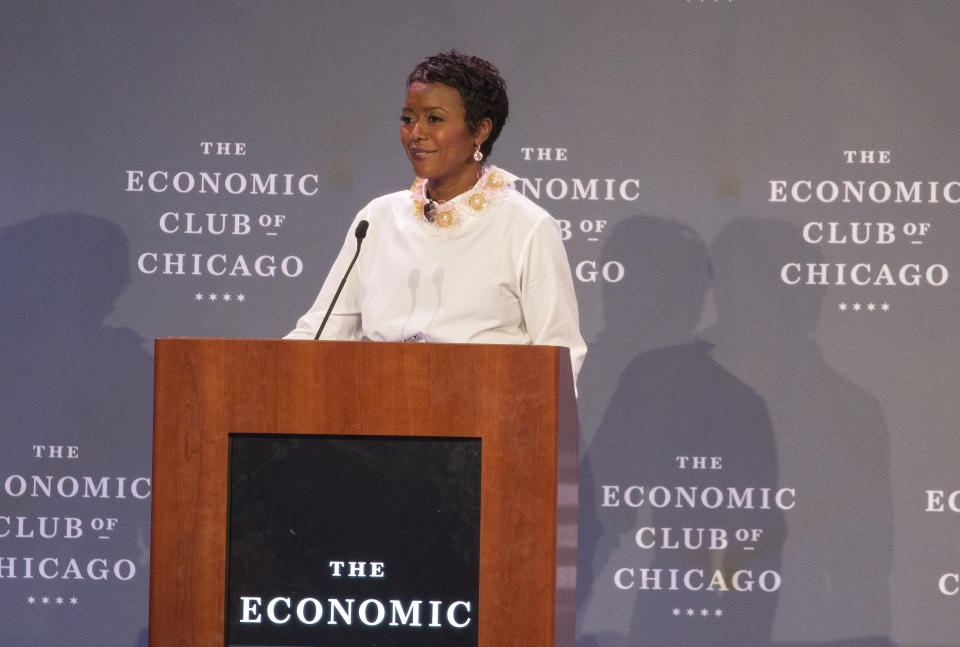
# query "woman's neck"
(441, 191)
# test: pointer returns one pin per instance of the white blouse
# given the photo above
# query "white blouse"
(489, 268)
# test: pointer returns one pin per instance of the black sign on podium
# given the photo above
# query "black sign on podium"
(353, 541)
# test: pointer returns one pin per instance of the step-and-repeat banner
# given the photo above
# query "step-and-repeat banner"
(761, 207)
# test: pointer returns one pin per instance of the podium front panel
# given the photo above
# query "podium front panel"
(517, 400)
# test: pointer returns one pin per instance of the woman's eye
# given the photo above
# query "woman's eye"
(406, 119)
(435, 119)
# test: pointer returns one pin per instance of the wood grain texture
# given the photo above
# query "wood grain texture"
(515, 398)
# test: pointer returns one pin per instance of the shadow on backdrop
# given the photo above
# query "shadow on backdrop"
(832, 441)
(69, 380)
(670, 399)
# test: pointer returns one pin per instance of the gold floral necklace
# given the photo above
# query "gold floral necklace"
(468, 204)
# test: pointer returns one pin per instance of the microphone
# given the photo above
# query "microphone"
(430, 210)
(360, 232)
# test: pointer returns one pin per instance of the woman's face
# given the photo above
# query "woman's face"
(437, 140)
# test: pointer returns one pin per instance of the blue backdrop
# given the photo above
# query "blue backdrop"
(760, 204)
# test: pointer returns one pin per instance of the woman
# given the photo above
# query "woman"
(461, 256)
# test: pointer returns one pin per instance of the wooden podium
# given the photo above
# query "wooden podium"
(519, 400)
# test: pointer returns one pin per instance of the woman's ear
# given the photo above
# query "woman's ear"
(482, 131)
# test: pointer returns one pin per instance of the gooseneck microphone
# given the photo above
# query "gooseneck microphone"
(360, 232)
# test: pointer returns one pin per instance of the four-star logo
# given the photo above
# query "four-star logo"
(220, 296)
(870, 306)
(46, 600)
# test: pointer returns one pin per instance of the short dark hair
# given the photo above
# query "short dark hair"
(482, 90)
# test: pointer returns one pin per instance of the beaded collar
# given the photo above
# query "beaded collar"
(469, 204)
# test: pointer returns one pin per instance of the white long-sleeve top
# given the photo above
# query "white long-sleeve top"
(490, 269)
